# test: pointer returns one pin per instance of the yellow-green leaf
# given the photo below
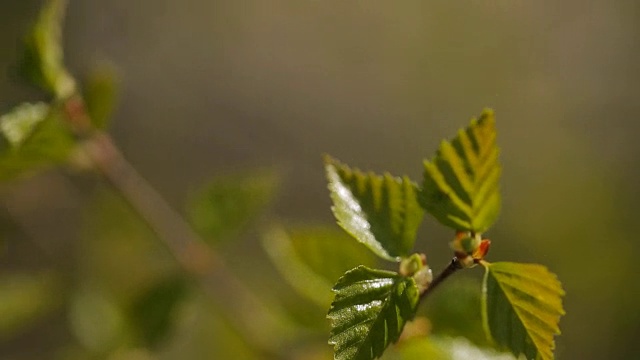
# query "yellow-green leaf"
(381, 212)
(522, 305)
(369, 312)
(461, 183)
(42, 61)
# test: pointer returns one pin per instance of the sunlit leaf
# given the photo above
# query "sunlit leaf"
(369, 312)
(100, 95)
(35, 136)
(228, 204)
(311, 259)
(42, 61)
(21, 122)
(461, 183)
(24, 298)
(154, 313)
(381, 212)
(522, 305)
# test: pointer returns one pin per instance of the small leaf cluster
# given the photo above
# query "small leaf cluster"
(37, 135)
(521, 303)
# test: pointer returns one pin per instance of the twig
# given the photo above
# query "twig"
(453, 266)
(195, 257)
(184, 244)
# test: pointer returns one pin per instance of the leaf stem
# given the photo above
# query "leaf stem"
(453, 266)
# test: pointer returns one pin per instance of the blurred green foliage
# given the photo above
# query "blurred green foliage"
(33, 137)
(42, 61)
(26, 298)
(100, 93)
(567, 69)
(225, 207)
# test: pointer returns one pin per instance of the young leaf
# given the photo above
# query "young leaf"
(369, 312)
(461, 183)
(381, 212)
(522, 305)
(100, 95)
(42, 61)
(36, 137)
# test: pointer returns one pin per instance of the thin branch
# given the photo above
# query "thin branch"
(453, 266)
(186, 246)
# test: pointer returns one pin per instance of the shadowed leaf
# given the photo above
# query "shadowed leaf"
(153, 313)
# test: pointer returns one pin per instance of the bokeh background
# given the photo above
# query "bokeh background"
(219, 87)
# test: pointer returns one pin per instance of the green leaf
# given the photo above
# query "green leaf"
(369, 312)
(42, 61)
(461, 183)
(100, 95)
(228, 204)
(381, 212)
(36, 137)
(312, 258)
(154, 313)
(522, 305)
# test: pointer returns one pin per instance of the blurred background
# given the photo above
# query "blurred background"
(211, 89)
